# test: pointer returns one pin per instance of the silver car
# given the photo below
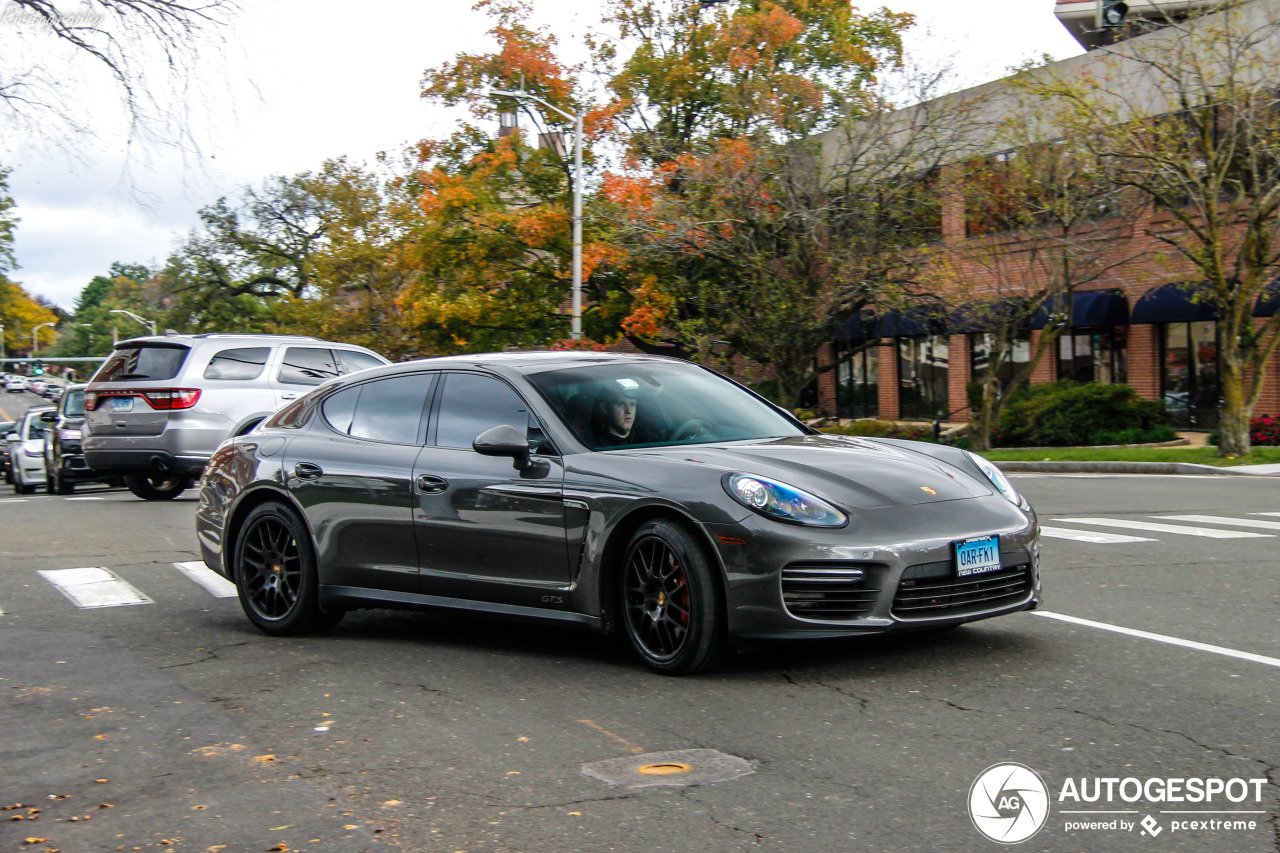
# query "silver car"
(158, 406)
(26, 450)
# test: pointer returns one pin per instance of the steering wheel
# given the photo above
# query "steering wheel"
(690, 429)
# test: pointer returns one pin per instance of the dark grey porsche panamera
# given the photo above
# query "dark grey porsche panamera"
(612, 492)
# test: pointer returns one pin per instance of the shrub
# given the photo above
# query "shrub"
(1136, 436)
(1069, 414)
(883, 429)
(1265, 431)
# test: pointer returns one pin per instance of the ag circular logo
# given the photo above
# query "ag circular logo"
(1009, 803)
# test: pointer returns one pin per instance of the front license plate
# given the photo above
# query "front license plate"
(977, 556)
(122, 404)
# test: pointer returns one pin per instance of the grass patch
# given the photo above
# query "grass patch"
(1194, 455)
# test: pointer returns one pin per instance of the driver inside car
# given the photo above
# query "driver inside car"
(614, 418)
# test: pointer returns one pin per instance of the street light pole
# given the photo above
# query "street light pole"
(576, 118)
(151, 324)
(35, 343)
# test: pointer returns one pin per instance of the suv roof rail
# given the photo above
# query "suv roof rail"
(254, 335)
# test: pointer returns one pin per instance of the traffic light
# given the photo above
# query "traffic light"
(37, 368)
(1114, 12)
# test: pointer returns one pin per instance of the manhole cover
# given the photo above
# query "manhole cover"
(677, 769)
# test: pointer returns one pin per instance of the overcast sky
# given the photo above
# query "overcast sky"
(305, 80)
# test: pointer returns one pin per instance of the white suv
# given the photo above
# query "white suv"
(159, 406)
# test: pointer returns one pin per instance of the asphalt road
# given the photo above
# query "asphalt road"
(173, 725)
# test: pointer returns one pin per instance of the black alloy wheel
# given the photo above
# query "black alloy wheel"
(671, 610)
(275, 573)
(156, 487)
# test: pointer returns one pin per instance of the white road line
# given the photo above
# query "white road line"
(94, 587)
(1217, 519)
(1206, 532)
(84, 499)
(1272, 514)
(214, 583)
(14, 501)
(1093, 536)
(1160, 638)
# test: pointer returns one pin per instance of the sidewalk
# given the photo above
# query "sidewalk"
(1194, 439)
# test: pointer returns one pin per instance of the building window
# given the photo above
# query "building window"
(1094, 355)
(1189, 374)
(922, 377)
(1016, 357)
(857, 380)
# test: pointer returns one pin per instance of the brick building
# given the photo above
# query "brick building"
(1140, 323)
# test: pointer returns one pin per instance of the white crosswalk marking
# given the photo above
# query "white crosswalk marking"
(1096, 537)
(214, 583)
(1204, 532)
(1215, 519)
(1272, 514)
(94, 587)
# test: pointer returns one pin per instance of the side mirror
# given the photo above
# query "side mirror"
(504, 440)
(48, 417)
(13, 436)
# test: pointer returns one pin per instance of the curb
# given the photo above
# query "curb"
(1128, 468)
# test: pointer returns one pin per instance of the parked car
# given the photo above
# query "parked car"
(15, 385)
(37, 385)
(63, 447)
(6, 427)
(159, 406)
(26, 451)
(696, 515)
(54, 392)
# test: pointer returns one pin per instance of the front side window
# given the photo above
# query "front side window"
(308, 366)
(73, 404)
(648, 404)
(244, 363)
(471, 404)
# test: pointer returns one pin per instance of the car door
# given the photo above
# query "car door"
(484, 529)
(352, 474)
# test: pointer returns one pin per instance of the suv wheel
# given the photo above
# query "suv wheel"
(156, 487)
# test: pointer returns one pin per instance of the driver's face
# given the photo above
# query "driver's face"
(621, 415)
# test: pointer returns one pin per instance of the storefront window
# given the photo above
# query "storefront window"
(1189, 374)
(857, 380)
(922, 377)
(1016, 357)
(1094, 355)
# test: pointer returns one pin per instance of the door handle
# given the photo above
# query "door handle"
(288, 395)
(308, 471)
(431, 485)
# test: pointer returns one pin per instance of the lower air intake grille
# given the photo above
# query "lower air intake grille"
(829, 592)
(951, 596)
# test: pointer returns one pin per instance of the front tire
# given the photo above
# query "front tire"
(275, 572)
(671, 607)
(156, 487)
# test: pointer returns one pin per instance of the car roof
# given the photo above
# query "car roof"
(538, 360)
(229, 337)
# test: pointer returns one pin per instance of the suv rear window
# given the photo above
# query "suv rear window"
(143, 363)
(244, 363)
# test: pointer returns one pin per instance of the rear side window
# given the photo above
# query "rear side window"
(142, 363)
(245, 363)
(383, 410)
(307, 366)
(353, 361)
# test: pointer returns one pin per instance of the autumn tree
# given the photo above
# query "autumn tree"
(19, 311)
(1189, 118)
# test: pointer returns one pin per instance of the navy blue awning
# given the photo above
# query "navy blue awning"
(858, 327)
(1175, 303)
(1108, 307)
(1268, 301)
(911, 323)
(982, 316)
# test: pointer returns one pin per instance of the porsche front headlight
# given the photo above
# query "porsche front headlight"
(997, 478)
(782, 502)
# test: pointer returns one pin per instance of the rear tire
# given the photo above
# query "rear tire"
(671, 607)
(162, 487)
(274, 565)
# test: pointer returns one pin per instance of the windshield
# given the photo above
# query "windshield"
(73, 406)
(648, 404)
(142, 362)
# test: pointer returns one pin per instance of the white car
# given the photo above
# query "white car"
(15, 384)
(36, 386)
(26, 450)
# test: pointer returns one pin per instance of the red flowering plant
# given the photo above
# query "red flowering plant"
(579, 344)
(1264, 431)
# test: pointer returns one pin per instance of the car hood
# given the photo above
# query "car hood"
(852, 472)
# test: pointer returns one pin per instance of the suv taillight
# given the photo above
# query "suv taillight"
(172, 398)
